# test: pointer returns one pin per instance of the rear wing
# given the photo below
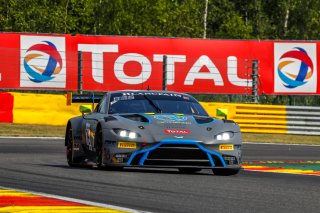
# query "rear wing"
(87, 98)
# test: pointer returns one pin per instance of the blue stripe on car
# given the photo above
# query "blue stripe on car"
(146, 152)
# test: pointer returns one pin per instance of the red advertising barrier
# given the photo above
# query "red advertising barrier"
(194, 65)
(40, 62)
(49, 61)
(6, 106)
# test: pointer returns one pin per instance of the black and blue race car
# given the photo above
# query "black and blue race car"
(153, 129)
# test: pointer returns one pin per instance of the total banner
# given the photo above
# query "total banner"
(106, 63)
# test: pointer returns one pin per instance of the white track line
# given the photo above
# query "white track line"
(89, 203)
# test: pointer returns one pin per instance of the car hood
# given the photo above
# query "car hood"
(158, 127)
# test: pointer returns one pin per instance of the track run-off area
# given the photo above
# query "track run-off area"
(35, 177)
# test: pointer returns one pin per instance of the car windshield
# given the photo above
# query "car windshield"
(154, 102)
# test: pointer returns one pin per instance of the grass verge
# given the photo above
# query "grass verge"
(26, 130)
(281, 138)
(29, 130)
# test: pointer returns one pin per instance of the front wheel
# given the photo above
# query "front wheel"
(225, 172)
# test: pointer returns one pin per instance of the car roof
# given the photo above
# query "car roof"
(147, 91)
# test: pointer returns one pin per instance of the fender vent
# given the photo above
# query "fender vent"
(228, 121)
(109, 118)
(136, 117)
(203, 120)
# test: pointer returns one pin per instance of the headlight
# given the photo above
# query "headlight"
(224, 136)
(126, 133)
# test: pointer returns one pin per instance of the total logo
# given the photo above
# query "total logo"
(42, 62)
(295, 68)
(177, 131)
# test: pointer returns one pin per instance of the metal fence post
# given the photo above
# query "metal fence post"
(80, 72)
(255, 81)
(164, 73)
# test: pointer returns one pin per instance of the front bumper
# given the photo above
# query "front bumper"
(182, 153)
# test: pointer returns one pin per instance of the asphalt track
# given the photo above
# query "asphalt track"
(39, 165)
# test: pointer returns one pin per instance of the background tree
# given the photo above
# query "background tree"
(226, 19)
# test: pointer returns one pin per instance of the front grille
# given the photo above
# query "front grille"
(176, 162)
(174, 151)
(216, 160)
(177, 155)
(136, 159)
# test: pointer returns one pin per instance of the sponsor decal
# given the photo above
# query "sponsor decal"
(295, 67)
(107, 154)
(177, 131)
(127, 145)
(89, 137)
(170, 118)
(122, 98)
(226, 147)
(151, 94)
(42, 62)
(110, 142)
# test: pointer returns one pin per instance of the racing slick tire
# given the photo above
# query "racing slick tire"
(225, 172)
(69, 147)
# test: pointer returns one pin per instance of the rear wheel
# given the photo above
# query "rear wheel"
(225, 172)
(188, 170)
(69, 146)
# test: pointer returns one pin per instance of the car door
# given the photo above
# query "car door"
(90, 122)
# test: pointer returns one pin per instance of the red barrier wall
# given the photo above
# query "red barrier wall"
(6, 106)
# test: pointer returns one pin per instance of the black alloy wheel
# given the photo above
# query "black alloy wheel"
(69, 147)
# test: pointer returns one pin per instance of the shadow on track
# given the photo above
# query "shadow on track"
(129, 170)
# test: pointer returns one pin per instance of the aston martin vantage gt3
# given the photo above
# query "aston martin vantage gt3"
(153, 129)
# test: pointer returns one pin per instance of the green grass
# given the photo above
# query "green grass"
(27, 130)
(59, 131)
(281, 138)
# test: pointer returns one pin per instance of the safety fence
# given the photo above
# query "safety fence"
(270, 118)
(26, 108)
(253, 117)
(303, 120)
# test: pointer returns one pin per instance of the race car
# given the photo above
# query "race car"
(153, 129)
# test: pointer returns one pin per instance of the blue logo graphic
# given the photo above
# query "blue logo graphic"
(305, 72)
(170, 118)
(40, 73)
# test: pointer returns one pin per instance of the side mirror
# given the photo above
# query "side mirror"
(85, 109)
(222, 112)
